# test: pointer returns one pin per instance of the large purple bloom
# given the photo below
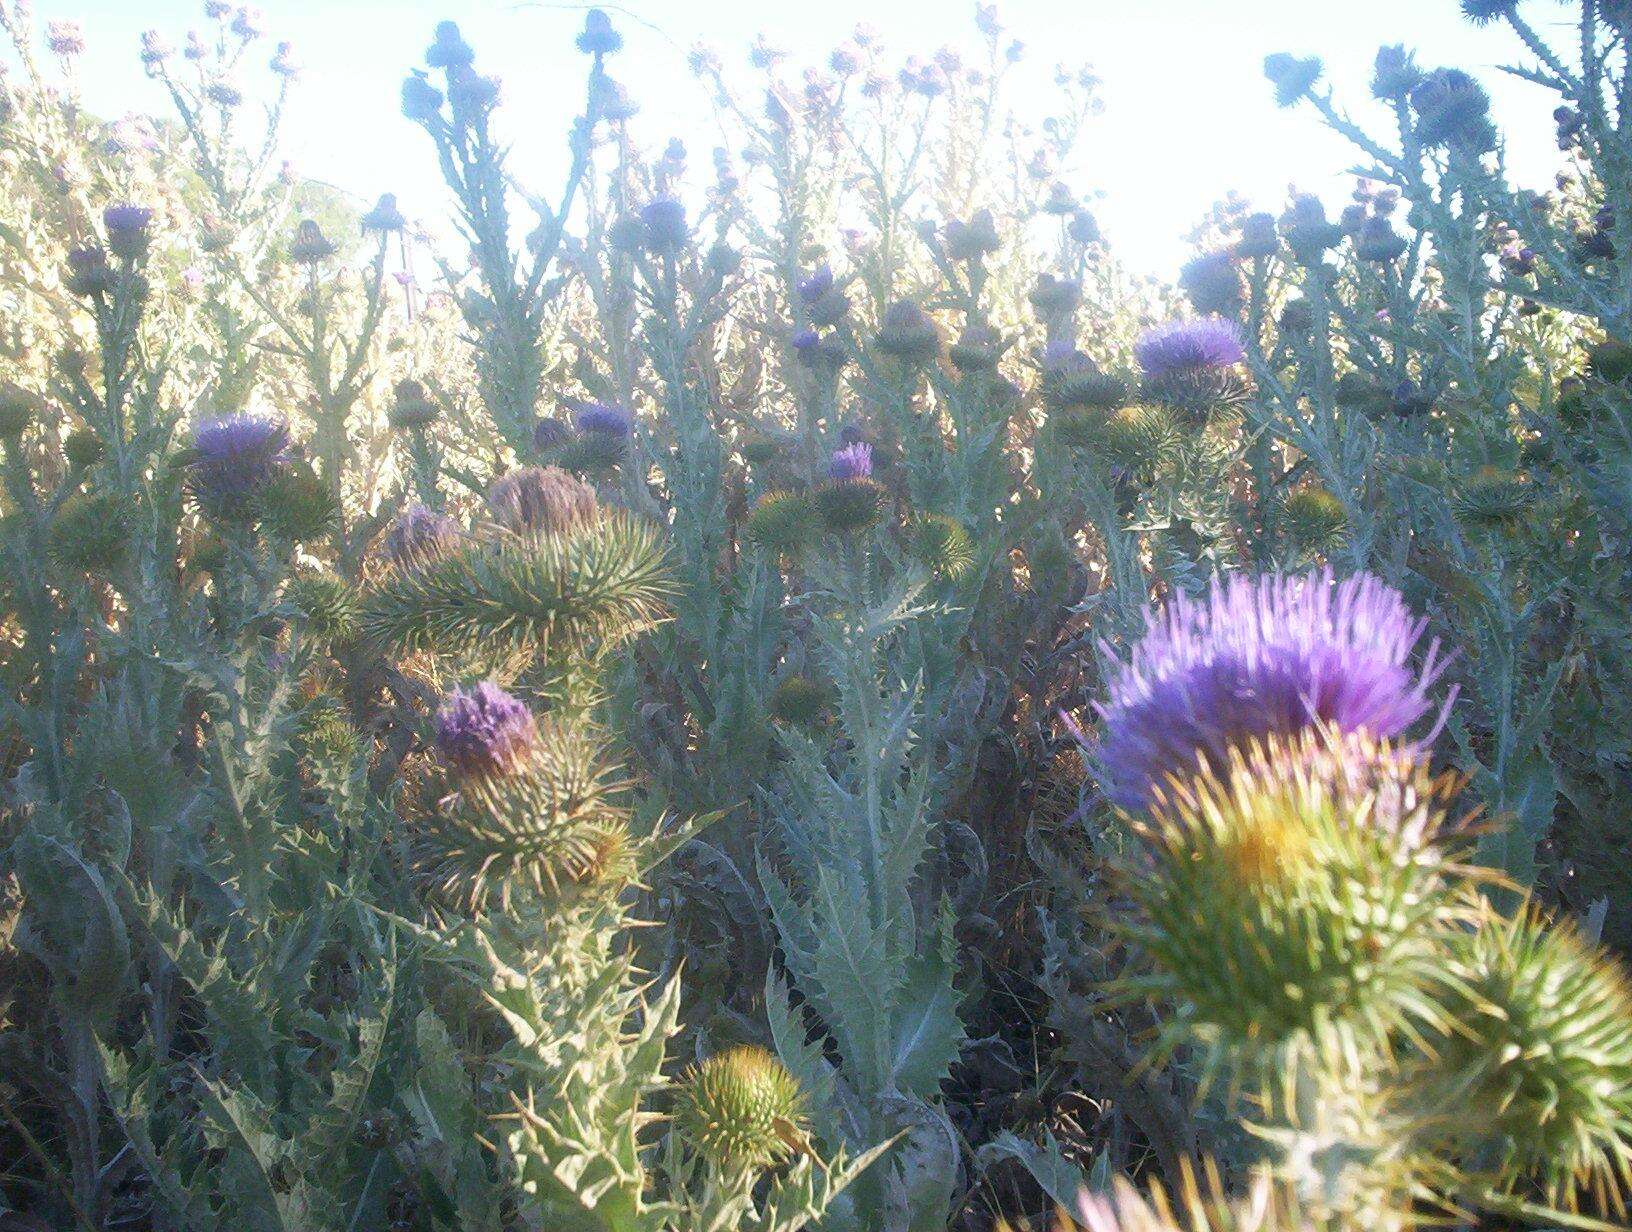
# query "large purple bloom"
(1265, 656)
(236, 457)
(854, 461)
(1185, 346)
(484, 731)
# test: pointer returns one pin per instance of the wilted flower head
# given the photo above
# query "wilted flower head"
(665, 221)
(155, 50)
(541, 499)
(448, 48)
(1179, 346)
(484, 731)
(1258, 657)
(550, 433)
(420, 99)
(248, 23)
(419, 535)
(283, 61)
(234, 458)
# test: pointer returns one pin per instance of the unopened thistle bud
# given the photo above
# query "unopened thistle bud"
(741, 1109)
(907, 333)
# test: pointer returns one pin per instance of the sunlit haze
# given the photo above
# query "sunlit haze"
(1188, 115)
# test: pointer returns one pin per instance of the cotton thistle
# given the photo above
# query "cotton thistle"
(1536, 1074)
(235, 460)
(1258, 657)
(541, 500)
(1290, 895)
(533, 809)
(784, 523)
(418, 536)
(603, 436)
(1194, 366)
(741, 1109)
(852, 500)
(907, 333)
(484, 731)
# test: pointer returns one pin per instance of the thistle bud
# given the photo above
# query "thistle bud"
(739, 1109)
(127, 228)
(448, 48)
(310, 245)
(598, 38)
(413, 407)
(908, 333)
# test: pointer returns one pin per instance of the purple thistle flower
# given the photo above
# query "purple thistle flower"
(804, 340)
(1274, 655)
(1062, 355)
(854, 461)
(419, 535)
(813, 288)
(127, 228)
(601, 417)
(235, 458)
(1184, 346)
(665, 220)
(484, 731)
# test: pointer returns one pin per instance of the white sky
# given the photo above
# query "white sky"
(1188, 114)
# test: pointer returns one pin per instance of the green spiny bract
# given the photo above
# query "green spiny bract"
(783, 523)
(1315, 519)
(1534, 1071)
(326, 604)
(552, 826)
(849, 506)
(1292, 894)
(741, 1108)
(940, 544)
(298, 505)
(800, 700)
(91, 532)
(556, 594)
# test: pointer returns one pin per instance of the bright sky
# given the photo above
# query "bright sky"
(1188, 114)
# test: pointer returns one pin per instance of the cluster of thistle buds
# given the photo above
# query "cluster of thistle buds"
(1305, 905)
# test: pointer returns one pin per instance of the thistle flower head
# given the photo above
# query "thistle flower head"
(1539, 1070)
(598, 37)
(66, 38)
(541, 500)
(1275, 655)
(385, 218)
(127, 228)
(419, 535)
(782, 522)
(235, 459)
(1184, 346)
(602, 418)
(854, 461)
(907, 332)
(1293, 886)
(310, 245)
(1213, 282)
(741, 1108)
(484, 731)
(665, 222)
